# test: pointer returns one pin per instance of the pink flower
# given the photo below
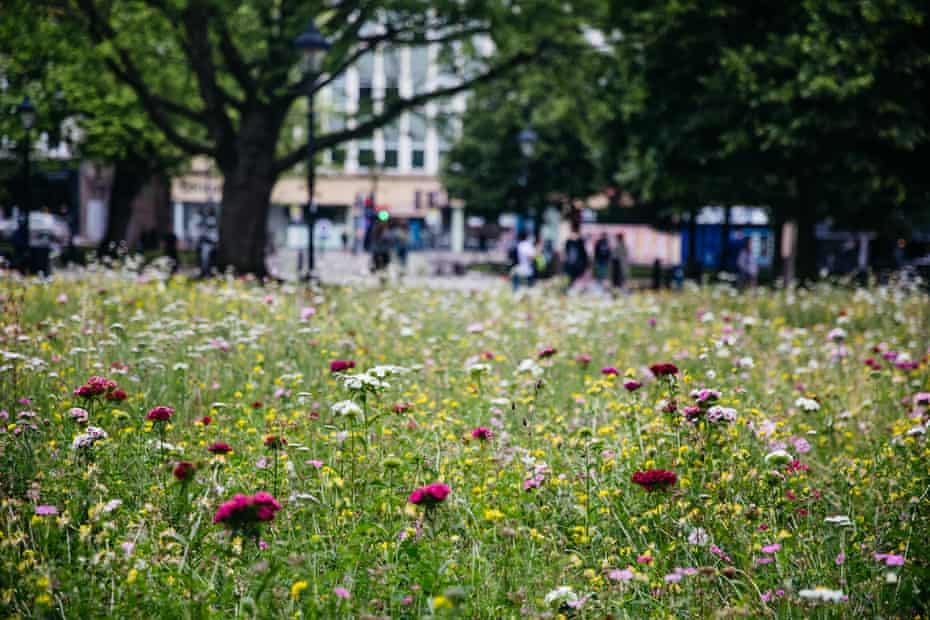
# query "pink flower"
(890, 559)
(610, 370)
(644, 559)
(44, 510)
(632, 385)
(773, 548)
(247, 510)
(481, 433)
(341, 365)
(306, 313)
(655, 479)
(315, 463)
(159, 414)
(431, 495)
(547, 352)
(620, 575)
(219, 447)
(342, 593)
(583, 358)
(840, 559)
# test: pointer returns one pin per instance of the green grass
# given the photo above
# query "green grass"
(546, 502)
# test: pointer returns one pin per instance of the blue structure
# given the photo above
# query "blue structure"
(746, 223)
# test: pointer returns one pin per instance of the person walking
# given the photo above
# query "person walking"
(522, 272)
(620, 264)
(601, 260)
(207, 241)
(576, 258)
(747, 266)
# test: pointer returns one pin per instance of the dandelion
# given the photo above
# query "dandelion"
(297, 587)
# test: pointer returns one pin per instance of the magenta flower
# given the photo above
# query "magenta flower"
(342, 593)
(481, 433)
(219, 447)
(773, 548)
(547, 352)
(159, 414)
(430, 495)
(655, 479)
(583, 358)
(632, 385)
(890, 559)
(341, 365)
(243, 511)
(664, 370)
(610, 371)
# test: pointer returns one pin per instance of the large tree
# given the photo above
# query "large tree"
(814, 108)
(219, 77)
(100, 119)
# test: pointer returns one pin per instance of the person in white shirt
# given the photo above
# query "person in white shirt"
(522, 272)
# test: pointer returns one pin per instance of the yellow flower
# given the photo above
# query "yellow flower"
(441, 602)
(297, 588)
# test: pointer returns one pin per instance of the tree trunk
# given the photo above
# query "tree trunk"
(249, 177)
(806, 244)
(129, 177)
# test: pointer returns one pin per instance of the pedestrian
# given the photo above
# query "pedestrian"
(601, 259)
(401, 245)
(657, 274)
(207, 241)
(522, 272)
(380, 247)
(620, 264)
(576, 258)
(747, 266)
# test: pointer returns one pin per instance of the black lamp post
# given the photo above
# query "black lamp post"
(313, 45)
(527, 140)
(27, 115)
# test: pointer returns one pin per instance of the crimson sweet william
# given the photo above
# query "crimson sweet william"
(547, 352)
(219, 447)
(482, 433)
(244, 511)
(653, 479)
(664, 369)
(341, 365)
(430, 495)
(184, 471)
(159, 414)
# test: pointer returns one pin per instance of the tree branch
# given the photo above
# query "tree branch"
(397, 106)
(158, 108)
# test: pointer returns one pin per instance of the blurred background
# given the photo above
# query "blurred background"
(304, 139)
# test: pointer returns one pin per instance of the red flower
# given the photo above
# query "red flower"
(664, 370)
(340, 365)
(402, 407)
(655, 479)
(275, 442)
(482, 433)
(610, 371)
(160, 414)
(547, 352)
(632, 385)
(184, 471)
(205, 420)
(430, 495)
(95, 386)
(246, 510)
(220, 447)
(116, 395)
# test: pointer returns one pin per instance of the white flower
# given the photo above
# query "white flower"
(778, 457)
(531, 367)
(807, 404)
(836, 334)
(746, 362)
(699, 537)
(386, 371)
(478, 369)
(363, 382)
(560, 596)
(823, 594)
(841, 520)
(717, 413)
(346, 408)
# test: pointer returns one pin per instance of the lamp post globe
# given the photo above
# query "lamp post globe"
(313, 45)
(27, 113)
(527, 139)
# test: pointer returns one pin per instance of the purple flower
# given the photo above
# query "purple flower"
(773, 548)
(44, 510)
(620, 575)
(342, 593)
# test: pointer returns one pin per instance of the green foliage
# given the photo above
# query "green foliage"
(545, 502)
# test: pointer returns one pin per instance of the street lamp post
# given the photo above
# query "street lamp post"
(313, 45)
(27, 115)
(527, 140)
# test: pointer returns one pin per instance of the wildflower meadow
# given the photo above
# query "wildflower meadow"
(219, 448)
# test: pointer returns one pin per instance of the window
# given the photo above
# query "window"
(391, 133)
(419, 63)
(418, 158)
(417, 140)
(366, 155)
(391, 75)
(365, 85)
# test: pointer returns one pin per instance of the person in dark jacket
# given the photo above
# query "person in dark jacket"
(576, 258)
